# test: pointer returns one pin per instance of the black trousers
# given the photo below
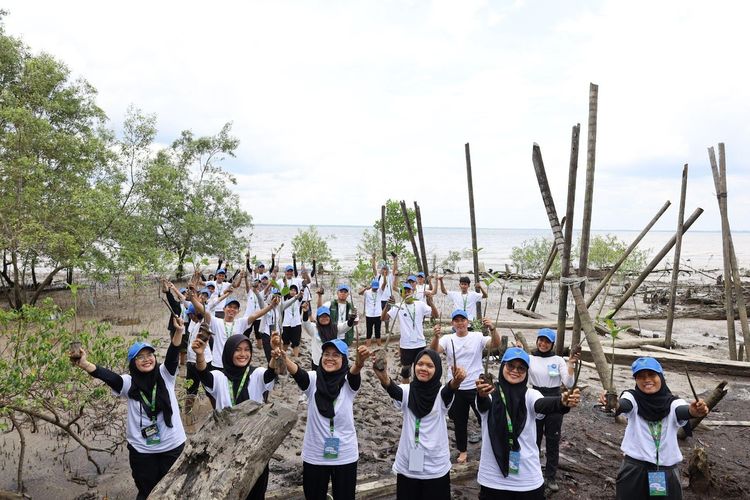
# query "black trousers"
(459, 413)
(423, 489)
(549, 428)
(315, 481)
(632, 480)
(486, 493)
(261, 485)
(148, 468)
(373, 324)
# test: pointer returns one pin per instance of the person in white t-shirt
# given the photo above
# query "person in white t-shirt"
(509, 463)
(221, 286)
(386, 279)
(411, 314)
(154, 428)
(373, 310)
(421, 287)
(465, 299)
(329, 449)
(423, 463)
(654, 415)
(291, 321)
(465, 348)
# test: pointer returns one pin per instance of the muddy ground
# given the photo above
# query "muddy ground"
(55, 469)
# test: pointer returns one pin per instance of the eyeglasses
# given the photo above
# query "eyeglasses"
(331, 355)
(518, 368)
(145, 356)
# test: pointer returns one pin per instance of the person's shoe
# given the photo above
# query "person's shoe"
(475, 437)
(552, 485)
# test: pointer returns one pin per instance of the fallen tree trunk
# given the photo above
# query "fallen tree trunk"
(528, 313)
(225, 458)
(712, 400)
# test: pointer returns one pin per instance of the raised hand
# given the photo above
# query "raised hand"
(198, 346)
(484, 389)
(698, 408)
(459, 375)
(571, 399)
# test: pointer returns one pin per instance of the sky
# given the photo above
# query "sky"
(340, 105)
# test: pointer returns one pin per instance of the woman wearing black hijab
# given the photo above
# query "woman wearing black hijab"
(650, 441)
(509, 466)
(329, 449)
(154, 428)
(423, 461)
(236, 382)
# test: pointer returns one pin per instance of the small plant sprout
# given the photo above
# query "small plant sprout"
(614, 331)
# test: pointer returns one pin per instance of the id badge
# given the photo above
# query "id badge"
(331, 448)
(151, 433)
(416, 460)
(657, 483)
(553, 371)
(514, 462)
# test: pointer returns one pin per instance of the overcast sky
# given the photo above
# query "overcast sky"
(342, 104)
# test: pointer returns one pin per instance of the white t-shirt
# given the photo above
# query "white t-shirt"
(410, 318)
(529, 475)
(385, 290)
(419, 291)
(284, 281)
(468, 355)
(221, 331)
(171, 437)
(292, 314)
(318, 427)
(372, 304)
(433, 439)
(637, 442)
(193, 329)
(252, 303)
(466, 302)
(255, 387)
(549, 372)
(221, 288)
(316, 344)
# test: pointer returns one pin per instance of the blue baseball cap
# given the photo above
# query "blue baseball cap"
(339, 344)
(183, 290)
(206, 291)
(138, 347)
(342, 287)
(210, 283)
(232, 301)
(515, 353)
(407, 286)
(646, 364)
(375, 284)
(459, 312)
(260, 264)
(323, 310)
(264, 276)
(190, 309)
(289, 268)
(411, 278)
(275, 291)
(548, 333)
(221, 271)
(420, 274)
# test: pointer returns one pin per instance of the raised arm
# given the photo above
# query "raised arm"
(442, 285)
(495, 338)
(109, 377)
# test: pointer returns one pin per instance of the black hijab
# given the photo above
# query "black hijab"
(422, 394)
(235, 373)
(497, 426)
(653, 407)
(328, 332)
(328, 385)
(144, 383)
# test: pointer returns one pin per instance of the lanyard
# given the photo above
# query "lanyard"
(655, 431)
(412, 315)
(330, 420)
(416, 431)
(151, 404)
(231, 330)
(234, 393)
(466, 300)
(507, 419)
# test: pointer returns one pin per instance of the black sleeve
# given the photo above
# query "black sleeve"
(273, 264)
(173, 303)
(172, 359)
(234, 276)
(552, 404)
(206, 378)
(269, 375)
(394, 391)
(302, 378)
(203, 277)
(447, 394)
(483, 404)
(312, 274)
(294, 264)
(355, 381)
(218, 266)
(109, 377)
(682, 412)
(247, 265)
(624, 406)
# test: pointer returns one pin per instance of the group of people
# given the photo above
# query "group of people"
(513, 416)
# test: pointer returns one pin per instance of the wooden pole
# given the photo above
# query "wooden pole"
(422, 250)
(654, 262)
(562, 308)
(711, 401)
(597, 353)
(410, 230)
(474, 246)
(382, 231)
(626, 254)
(531, 306)
(676, 264)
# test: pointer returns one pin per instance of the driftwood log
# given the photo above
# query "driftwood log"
(712, 400)
(225, 458)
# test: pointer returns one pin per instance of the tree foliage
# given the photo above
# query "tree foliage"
(605, 250)
(396, 237)
(532, 255)
(308, 244)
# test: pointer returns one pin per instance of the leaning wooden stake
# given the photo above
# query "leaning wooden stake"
(531, 306)
(711, 401)
(474, 247)
(422, 250)
(410, 230)
(676, 262)
(382, 231)
(607, 277)
(225, 458)
(562, 308)
(597, 353)
(654, 262)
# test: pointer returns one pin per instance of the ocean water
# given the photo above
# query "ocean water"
(700, 249)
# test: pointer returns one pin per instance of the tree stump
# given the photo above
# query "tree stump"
(228, 454)
(699, 471)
